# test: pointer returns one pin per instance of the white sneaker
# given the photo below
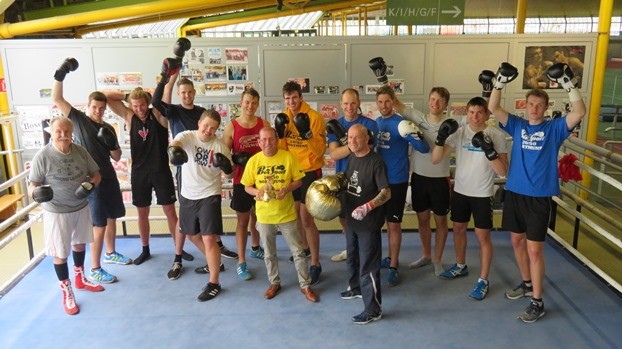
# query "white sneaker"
(340, 257)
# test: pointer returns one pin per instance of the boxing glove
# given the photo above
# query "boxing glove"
(177, 155)
(170, 67)
(334, 183)
(241, 158)
(485, 78)
(371, 135)
(303, 125)
(280, 124)
(69, 64)
(379, 67)
(447, 128)
(182, 45)
(43, 193)
(222, 162)
(505, 74)
(321, 202)
(85, 189)
(410, 132)
(360, 212)
(483, 141)
(107, 137)
(561, 74)
(334, 127)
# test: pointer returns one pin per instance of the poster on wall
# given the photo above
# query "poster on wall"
(538, 59)
(214, 55)
(303, 82)
(236, 55)
(31, 125)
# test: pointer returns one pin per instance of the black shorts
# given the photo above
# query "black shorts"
(106, 202)
(395, 206)
(160, 182)
(526, 214)
(430, 193)
(203, 216)
(241, 200)
(301, 193)
(463, 206)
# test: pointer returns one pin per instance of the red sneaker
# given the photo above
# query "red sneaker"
(69, 301)
(82, 283)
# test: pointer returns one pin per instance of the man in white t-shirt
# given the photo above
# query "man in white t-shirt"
(481, 152)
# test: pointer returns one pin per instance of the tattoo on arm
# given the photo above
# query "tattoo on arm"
(382, 197)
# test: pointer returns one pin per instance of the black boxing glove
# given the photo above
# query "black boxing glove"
(43, 193)
(334, 127)
(280, 123)
(107, 137)
(371, 135)
(303, 125)
(482, 140)
(84, 190)
(222, 162)
(177, 155)
(379, 67)
(486, 78)
(170, 67)
(447, 128)
(181, 46)
(561, 74)
(240, 158)
(505, 74)
(69, 64)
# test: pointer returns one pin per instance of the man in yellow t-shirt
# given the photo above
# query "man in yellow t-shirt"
(271, 176)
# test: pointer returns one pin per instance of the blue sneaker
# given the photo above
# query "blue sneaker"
(243, 273)
(315, 271)
(480, 290)
(454, 271)
(385, 263)
(365, 318)
(102, 276)
(393, 277)
(258, 253)
(116, 258)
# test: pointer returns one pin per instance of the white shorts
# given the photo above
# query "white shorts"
(61, 230)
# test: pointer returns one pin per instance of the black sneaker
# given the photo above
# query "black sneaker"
(175, 271)
(205, 269)
(365, 318)
(186, 256)
(532, 313)
(227, 253)
(210, 291)
(307, 255)
(349, 294)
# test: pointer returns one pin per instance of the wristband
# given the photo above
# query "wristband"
(574, 95)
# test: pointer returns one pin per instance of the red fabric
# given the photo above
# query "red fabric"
(567, 170)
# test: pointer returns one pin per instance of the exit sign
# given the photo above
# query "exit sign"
(425, 12)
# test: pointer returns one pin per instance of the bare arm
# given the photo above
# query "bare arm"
(116, 154)
(168, 89)
(95, 177)
(439, 153)
(578, 112)
(500, 164)
(494, 105)
(338, 152)
(115, 103)
(227, 136)
(383, 197)
(32, 186)
(58, 99)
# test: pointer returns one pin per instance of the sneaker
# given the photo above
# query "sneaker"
(82, 283)
(243, 273)
(116, 258)
(340, 257)
(519, 291)
(454, 271)
(532, 313)
(365, 318)
(385, 263)
(315, 271)
(258, 253)
(480, 290)
(102, 276)
(69, 301)
(205, 269)
(186, 256)
(393, 277)
(307, 255)
(227, 253)
(209, 292)
(175, 271)
(349, 294)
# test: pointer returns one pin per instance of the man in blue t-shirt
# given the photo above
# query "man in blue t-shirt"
(532, 176)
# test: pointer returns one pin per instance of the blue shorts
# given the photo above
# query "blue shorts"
(106, 202)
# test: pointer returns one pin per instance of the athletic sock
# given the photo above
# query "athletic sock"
(177, 258)
(78, 258)
(421, 262)
(254, 248)
(538, 301)
(528, 283)
(145, 255)
(480, 279)
(438, 268)
(62, 271)
(220, 244)
(461, 266)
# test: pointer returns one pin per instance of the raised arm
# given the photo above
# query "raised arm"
(563, 75)
(505, 74)
(115, 103)
(68, 65)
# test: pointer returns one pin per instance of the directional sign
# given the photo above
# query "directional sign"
(425, 12)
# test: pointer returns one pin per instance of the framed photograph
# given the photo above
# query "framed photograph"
(214, 55)
(303, 82)
(538, 59)
(237, 72)
(236, 55)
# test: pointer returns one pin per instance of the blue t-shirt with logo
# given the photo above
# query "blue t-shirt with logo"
(393, 148)
(365, 121)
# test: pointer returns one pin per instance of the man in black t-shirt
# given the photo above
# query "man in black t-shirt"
(368, 189)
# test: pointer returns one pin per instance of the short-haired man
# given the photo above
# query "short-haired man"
(481, 152)
(270, 177)
(202, 157)
(106, 201)
(302, 131)
(338, 141)
(61, 177)
(532, 177)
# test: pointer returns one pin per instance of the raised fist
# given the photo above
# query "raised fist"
(486, 78)
(69, 64)
(483, 141)
(561, 74)
(177, 155)
(181, 46)
(303, 125)
(280, 124)
(334, 127)
(379, 67)
(170, 67)
(447, 128)
(505, 74)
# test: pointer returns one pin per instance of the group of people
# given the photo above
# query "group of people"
(273, 169)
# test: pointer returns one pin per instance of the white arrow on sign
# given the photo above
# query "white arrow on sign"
(456, 11)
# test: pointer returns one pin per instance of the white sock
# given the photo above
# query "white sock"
(421, 262)
(438, 268)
